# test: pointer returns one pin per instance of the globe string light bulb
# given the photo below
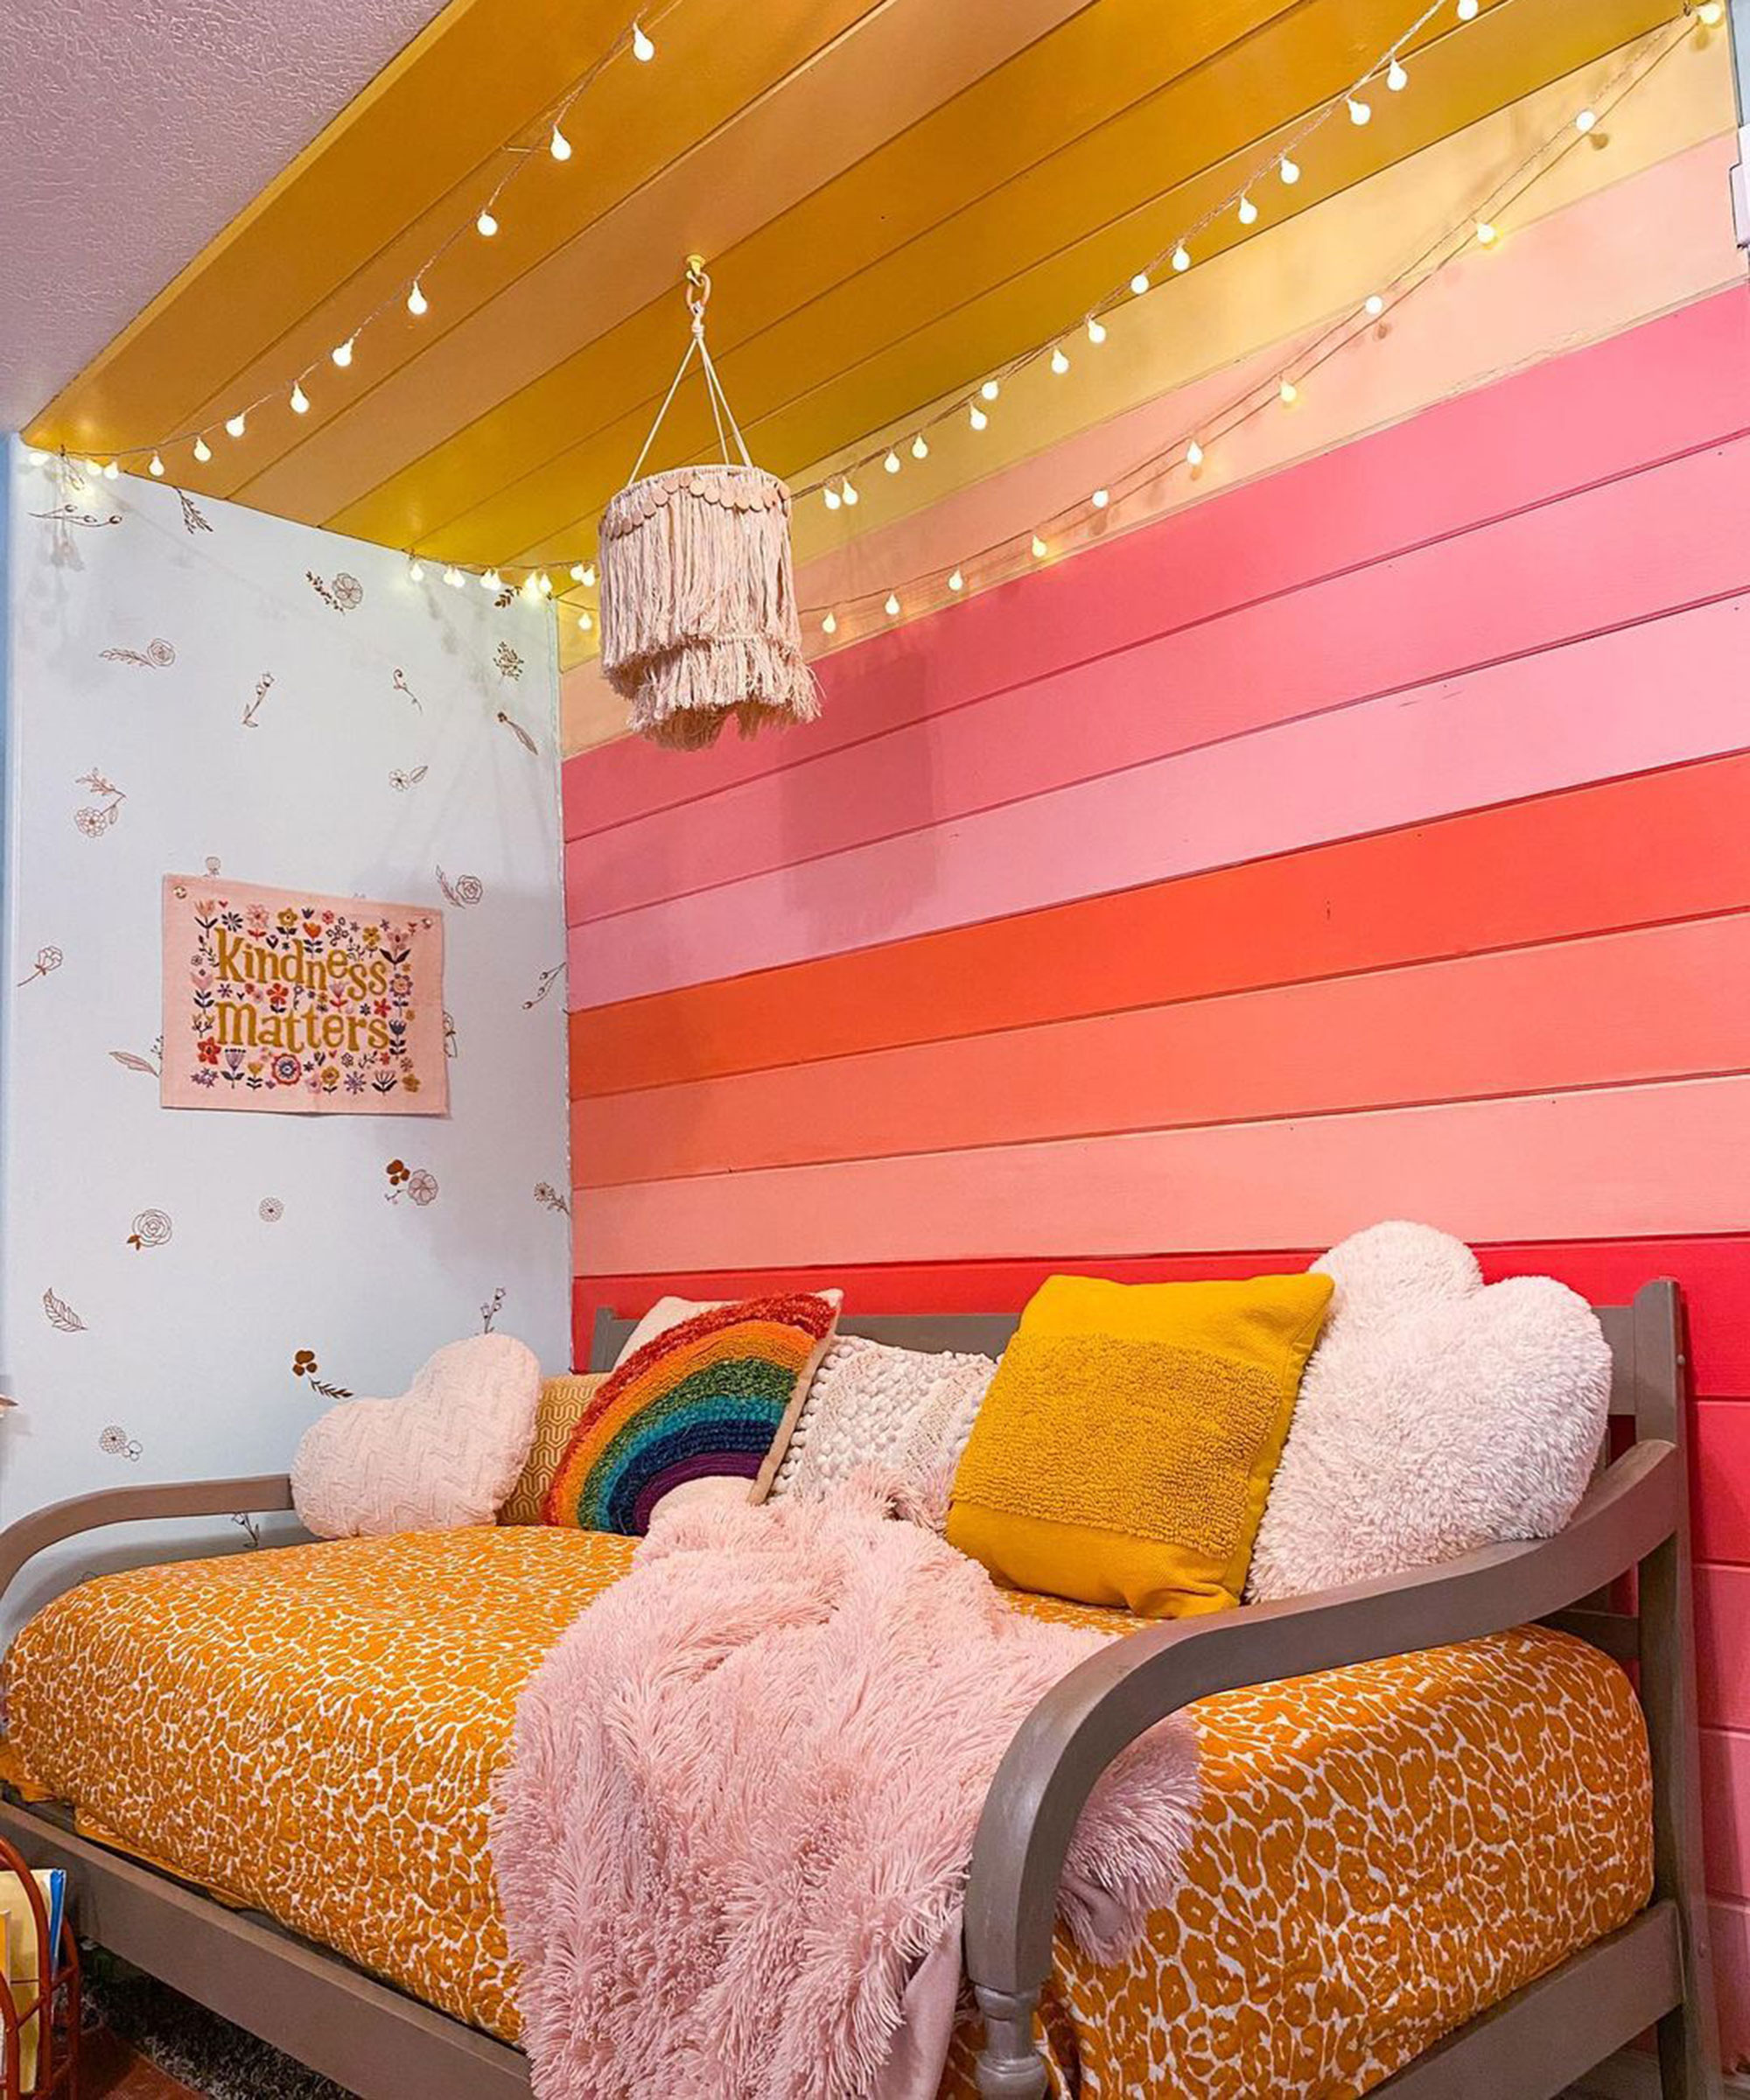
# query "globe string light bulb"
(831, 497)
(415, 569)
(1101, 498)
(849, 495)
(1096, 330)
(1467, 9)
(1396, 78)
(642, 49)
(919, 447)
(1289, 170)
(1139, 284)
(342, 354)
(586, 621)
(1375, 306)
(830, 624)
(891, 464)
(491, 581)
(893, 606)
(1584, 121)
(454, 577)
(300, 400)
(1181, 258)
(155, 467)
(1060, 363)
(543, 583)
(990, 390)
(956, 581)
(1487, 233)
(236, 424)
(1193, 454)
(485, 226)
(1248, 211)
(531, 586)
(977, 418)
(559, 146)
(203, 451)
(416, 300)
(112, 472)
(1289, 392)
(1711, 14)
(589, 575)
(1040, 548)
(1360, 112)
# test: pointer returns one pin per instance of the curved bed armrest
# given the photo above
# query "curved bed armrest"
(145, 1504)
(1083, 1722)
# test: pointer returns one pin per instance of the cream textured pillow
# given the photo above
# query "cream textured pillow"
(1437, 1415)
(444, 1453)
(909, 1409)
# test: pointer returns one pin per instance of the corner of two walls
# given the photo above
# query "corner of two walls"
(194, 686)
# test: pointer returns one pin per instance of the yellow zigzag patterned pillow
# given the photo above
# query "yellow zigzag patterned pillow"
(1124, 1451)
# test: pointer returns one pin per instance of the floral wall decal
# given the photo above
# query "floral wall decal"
(402, 781)
(157, 655)
(402, 686)
(264, 687)
(194, 518)
(466, 889)
(48, 959)
(70, 513)
(417, 1182)
(490, 1311)
(270, 1210)
(509, 663)
(116, 1443)
(345, 594)
(95, 821)
(549, 1198)
(521, 734)
(303, 1365)
(130, 1060)
(549, 978)
(151, 1229)
(61, 1315)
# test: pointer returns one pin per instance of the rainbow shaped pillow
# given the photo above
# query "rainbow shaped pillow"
(715, 1396)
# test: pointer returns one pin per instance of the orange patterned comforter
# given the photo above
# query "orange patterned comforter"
(1383, 1852)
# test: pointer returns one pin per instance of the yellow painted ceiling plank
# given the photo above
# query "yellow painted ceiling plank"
(797, 133)
(791, 385)
(1104, 59)
(482, 69)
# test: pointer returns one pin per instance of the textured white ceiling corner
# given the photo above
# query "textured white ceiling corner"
(131, 131)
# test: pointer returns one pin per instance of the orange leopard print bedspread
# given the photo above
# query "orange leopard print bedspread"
(1383, 1852)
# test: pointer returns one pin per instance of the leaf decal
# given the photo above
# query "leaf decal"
(61, 1314)
(132, 1062)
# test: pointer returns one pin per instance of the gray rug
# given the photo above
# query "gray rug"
(191, 2043)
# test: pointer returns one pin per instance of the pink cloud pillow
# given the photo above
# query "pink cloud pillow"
(446, 1452)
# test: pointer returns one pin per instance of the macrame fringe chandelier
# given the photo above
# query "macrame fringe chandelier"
(698, 602)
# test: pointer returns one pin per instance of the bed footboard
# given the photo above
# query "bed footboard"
(1634, 1516)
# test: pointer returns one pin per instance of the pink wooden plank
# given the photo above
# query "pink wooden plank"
(1565, 423)
(1659, 1002)
(1729, 1929)
(1722, 1609)
(1601, 1163)
(1725, 1801)
(1721, 1480)
(1645, 696)
(1668, 535)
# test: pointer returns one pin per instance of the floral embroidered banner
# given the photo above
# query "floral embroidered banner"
(279, 999)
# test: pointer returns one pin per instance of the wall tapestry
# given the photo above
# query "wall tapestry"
(286, 1000)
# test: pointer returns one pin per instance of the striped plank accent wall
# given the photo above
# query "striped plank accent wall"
(1370, 840)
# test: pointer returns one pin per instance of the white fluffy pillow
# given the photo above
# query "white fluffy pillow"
(446, 1452)
(1437, 1415)
(908, 1409)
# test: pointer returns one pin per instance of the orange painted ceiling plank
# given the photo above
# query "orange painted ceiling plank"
(1009, 268)
(479, 72)
(1103, 60)
(620, 249)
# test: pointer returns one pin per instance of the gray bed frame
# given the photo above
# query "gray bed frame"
(1630, 1535)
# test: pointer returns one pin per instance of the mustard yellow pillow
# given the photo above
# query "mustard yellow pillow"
(560, 1410)
(1124, 1451)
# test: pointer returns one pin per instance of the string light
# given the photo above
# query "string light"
(1289, 170)
(543, 583)
(1248, 211)
(236, 424)
(642, 49)
(1289, 392)
(830, 624)
(586, 621)
(491, 581)
(1139, 284)
(559, 146)
(893, 606)
(956, 581)
(300, 400)
(891, 462)
(1487, 233)
(1096, 330)
(1467, 9)
(1181, 258)
(416, 300)
(203, 451)
(485, 226)
(1360, 112)
(1711, 14)
(582, 572)
(977, 418)
(1396, 79)
(112, 472)
(919, 447)
(1101, 498)
(1041, 549)
(1193, 454)
(454, 577)
(1060, 363)
(990, 390)
(415, 569)
(531, 587)
(1584, 121)
(849, 492)
(831, 497)
(155, 469)
(1375, 306)
(342, 354)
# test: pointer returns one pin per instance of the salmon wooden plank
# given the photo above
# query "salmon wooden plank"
(1566, 424)
(1657, 846)
(1662, 537)
(1725, 1806)
(1600, 1163)
(1722, 1606)
(1630, 700)
(1660, 1001)
(1722, 1474)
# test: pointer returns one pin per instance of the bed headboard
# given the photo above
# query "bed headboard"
(976, 1334)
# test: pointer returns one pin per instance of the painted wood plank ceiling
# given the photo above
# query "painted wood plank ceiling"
(894, 197)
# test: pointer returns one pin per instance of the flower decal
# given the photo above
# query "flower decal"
(48, 959)
(422, 1187)
(116, 1443)
(157, 655)
(270, 1210)
(151, 1229)
(303, 1365)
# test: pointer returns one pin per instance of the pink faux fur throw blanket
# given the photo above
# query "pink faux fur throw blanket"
(740, 1809)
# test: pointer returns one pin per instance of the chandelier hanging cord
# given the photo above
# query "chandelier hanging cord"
(698, 292)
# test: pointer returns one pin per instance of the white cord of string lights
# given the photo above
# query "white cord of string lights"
(1479, 227)
(633, 40)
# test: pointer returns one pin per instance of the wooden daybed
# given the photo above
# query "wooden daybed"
(1654, 1971)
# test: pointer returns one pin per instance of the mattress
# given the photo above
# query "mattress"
(1383, 1852)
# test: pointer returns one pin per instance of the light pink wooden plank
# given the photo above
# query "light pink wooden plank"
(1647, 696)
(1600, 1163)
(1669, 535)
(1565, 423)
(1726, 1802)
(1722, 1608)
(1729, 1929)
(1720, 1468)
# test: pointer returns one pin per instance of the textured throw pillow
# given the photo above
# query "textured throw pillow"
(1437, 1415)
(444, 1453)
(560, 1410)
(1125, 1448)
(909, 1410)
(716, 1396)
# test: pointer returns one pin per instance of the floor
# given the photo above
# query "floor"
(110, 2070)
